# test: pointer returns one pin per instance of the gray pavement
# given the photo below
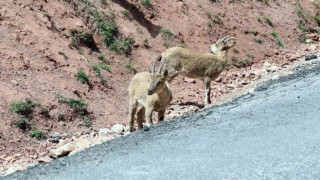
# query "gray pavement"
(273, 133)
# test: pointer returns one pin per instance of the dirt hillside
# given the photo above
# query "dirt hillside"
(66, 64)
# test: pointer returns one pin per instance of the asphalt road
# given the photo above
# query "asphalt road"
(273, 133)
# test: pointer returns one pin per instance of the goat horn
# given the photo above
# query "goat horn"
(161, 67)
(154, 67)
(229, 38)
(224, 38)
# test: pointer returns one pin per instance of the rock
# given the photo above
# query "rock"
(14, 82)
(63, 150)
(232, 86)
(272, 69)
(312, 47)
(189, 80)
(55, 137)
(44, 159)
(313, 36)
(311, 57)
(104, 131)
(266, 64)
(309, 40)
(118, 128)
(79, 24)
(15, 169)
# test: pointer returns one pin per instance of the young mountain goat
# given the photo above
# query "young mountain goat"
(204, 66)
(152, 91)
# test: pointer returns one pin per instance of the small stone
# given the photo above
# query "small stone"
(309, 40)
(189, 80)
(104, 131)
(311, 57)
(55, 137)
(14, 82)
(272, 69)
(266, 64)
(312, 47)
(118, 128)
(44, 159)
(79, 24)
(63, 150)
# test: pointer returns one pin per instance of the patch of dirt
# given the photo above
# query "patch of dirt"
(40, 57)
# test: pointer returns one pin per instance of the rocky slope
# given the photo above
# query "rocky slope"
(48, 47)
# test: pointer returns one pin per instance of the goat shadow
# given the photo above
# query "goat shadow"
(200, 106)
(138, 16)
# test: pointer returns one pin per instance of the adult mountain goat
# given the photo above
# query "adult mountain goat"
(152, 92)
(204, 66)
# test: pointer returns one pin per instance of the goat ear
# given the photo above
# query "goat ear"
(165, 73)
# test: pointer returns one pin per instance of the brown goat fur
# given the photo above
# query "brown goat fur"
(152, 92)
(204, 66)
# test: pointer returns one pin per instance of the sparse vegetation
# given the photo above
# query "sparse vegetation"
(23, 108)
(105, 67)
(146, 3)
(301, 12)
(146, 44)
(47, 16)
(87, 122)
(44, 111)
(38, 134)
(258, 41)
(269, 22)
(303, 29)
(125, 13)
(131, 68)
(82, 77)
(101, 56)
(22, 123)
(103, 2)
(78, 105)
(317, 19)
(278, 40)
(125, 45)
(82, 38)
(167, 35)
(64, 55)
(61, 117)
(97, 69)
(255, 33)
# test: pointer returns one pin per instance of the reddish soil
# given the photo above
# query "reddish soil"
(38, 63)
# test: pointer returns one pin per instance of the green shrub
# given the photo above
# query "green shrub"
(86, 121)
(125, 13)
(22, 108)
(105, 67)
(76, 104)
(61, 117)
(131, 68)
(82, 77)
(125, 45)
(97, 69)
(278, 40)
(269, 22)
(38, 134)
(146, 3)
